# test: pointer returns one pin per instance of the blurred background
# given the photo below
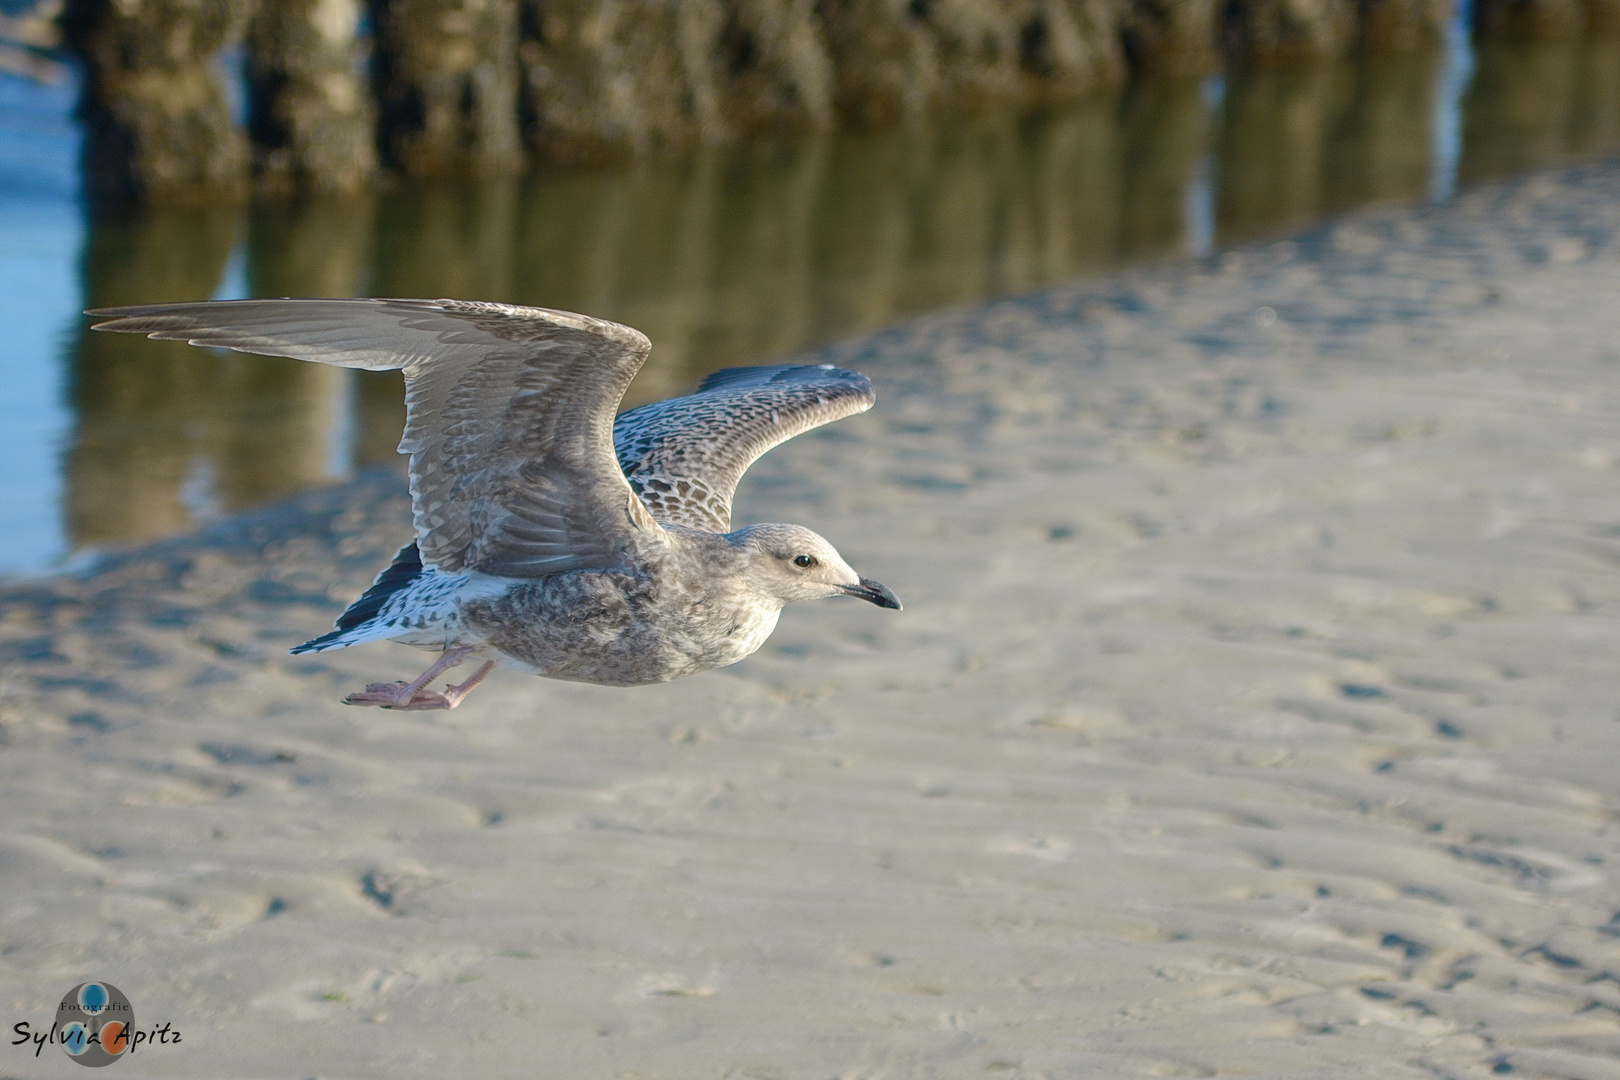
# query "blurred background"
(740, 179)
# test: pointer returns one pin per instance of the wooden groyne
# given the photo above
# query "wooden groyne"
(338, 89)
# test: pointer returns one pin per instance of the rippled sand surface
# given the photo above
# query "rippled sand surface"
(1255, 710)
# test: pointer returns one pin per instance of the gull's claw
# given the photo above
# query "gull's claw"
(414, 696)
(387, 695)
(427, 700)
(403, 696)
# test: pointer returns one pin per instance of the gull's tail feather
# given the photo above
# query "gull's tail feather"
(353, 626)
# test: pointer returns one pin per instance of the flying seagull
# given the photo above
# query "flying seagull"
(550, 535)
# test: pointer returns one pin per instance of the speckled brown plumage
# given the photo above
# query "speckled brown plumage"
(548, 535)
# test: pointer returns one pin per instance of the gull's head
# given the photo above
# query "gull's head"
(789, 562)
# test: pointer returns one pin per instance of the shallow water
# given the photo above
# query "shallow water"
(733, 256)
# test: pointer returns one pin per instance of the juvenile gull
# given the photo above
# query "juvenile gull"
(551, 536)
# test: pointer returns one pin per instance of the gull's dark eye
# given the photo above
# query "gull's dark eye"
(805, 561)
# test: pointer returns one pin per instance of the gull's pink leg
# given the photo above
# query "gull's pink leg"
(398, 695)
(452, 696)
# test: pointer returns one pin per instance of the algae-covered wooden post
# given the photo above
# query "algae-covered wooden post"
(158, 120)
(602, 79)
(447, 74)
(1171, 37)
(1269, 33)
(897, 58)
(1403, 25)
(1071, 46)
(884, 58)
(311, 112)
(772, 64)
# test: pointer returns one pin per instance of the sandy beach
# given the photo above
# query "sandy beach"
(1255, 711)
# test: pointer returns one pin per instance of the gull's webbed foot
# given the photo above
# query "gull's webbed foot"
(415, 696)
(394, 695)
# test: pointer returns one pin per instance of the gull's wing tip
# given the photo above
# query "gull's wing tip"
(745, 378)
(111, 312)
(119, 318)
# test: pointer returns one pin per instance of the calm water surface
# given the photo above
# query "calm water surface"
(733, 256)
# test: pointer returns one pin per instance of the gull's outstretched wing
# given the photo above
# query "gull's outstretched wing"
(685, 456)
(509, 414)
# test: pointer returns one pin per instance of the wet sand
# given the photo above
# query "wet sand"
(1254, 711)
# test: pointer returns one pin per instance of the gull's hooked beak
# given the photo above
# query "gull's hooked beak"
(873, 593)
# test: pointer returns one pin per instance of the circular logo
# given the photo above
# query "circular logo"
(94, 1022)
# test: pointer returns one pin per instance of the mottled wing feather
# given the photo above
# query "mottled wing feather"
(685, 456)
(509, 414)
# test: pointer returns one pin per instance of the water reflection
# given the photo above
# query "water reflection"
(1540, 102)
(1298, 145)
(750, 253)
(143, 414)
